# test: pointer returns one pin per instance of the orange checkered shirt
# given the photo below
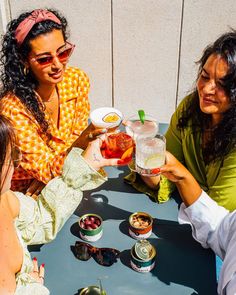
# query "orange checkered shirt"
(41, 159)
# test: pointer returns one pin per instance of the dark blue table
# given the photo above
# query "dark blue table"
(182, 266)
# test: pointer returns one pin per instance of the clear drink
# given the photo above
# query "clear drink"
(150, 154)
(134, 127)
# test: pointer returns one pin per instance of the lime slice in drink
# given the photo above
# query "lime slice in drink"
(153, 161)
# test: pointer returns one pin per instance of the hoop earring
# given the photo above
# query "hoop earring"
(26, 71)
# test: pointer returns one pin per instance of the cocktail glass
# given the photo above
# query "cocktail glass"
(118, 145)
(150, 154)
(134, 127)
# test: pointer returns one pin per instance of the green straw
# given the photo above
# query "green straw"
(141, 114)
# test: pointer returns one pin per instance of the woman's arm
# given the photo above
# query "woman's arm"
(209, 221)
(40, 220)
(187, 186)
(86, 136)
(7, 280)
(31, 288)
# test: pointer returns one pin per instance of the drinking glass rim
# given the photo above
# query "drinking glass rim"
(133, 117)
(159, 135)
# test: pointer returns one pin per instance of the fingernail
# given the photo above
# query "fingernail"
(35, 259)
(103, 131)
(155, 171)
(43, 264)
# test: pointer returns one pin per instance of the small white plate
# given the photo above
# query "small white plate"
(99, 116)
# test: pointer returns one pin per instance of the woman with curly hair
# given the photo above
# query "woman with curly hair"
(46, 100)
(202, 131)
(25, 221)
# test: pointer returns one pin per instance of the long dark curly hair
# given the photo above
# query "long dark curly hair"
(223, 135)
(12, 58)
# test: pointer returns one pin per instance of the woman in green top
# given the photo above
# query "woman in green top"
(202, 131)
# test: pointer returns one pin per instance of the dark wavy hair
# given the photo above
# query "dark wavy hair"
(12, 59)
(7, 141)
(223, 135)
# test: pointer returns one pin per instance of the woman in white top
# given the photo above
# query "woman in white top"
(24, 221)
(212, 225)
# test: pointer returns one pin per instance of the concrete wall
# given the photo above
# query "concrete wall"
(138, 53)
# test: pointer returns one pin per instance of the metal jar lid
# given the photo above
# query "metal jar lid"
(92, 290)
(143, 249)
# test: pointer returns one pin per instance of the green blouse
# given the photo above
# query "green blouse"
(40, 221)
(217, 178)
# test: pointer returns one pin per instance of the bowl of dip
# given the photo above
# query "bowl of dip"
(106, 117)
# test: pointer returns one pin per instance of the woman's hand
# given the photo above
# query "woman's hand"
(187, 186)
(94, 158)
(38, 272)
(88, 135)
(173, 169)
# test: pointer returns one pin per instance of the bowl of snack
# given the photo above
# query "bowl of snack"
(106, 117)
(140, 225)
(90, 226)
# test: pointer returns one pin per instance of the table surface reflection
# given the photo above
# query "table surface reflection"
(182, 266)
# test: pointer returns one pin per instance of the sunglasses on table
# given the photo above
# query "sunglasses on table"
(63, 55)
(103, 256)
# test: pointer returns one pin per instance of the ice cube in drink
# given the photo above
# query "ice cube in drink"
(118, 145)
(136, 128)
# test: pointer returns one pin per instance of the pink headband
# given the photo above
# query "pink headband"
(35, 17)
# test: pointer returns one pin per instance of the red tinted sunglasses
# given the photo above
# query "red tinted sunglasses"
(63, 55)
(103, 256)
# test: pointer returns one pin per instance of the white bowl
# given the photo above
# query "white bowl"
(98, 117)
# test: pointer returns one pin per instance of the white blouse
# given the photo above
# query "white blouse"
(214, 227)
(40, 221)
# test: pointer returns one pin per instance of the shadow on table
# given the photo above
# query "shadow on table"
(95, 202)
(35, 248)
(116, 181)
(180, 259)
(98, 204)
